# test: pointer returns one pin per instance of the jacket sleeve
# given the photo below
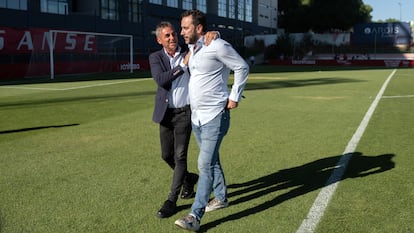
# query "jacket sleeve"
(161, 71)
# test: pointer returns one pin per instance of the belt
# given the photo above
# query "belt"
(178, 110)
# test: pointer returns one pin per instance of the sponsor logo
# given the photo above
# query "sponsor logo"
(299, 62)
(128, 66)
(392, 63)
(389, 30)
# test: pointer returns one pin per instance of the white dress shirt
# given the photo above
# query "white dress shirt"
(210, 69)
(178, 95)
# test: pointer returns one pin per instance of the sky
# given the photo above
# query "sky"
(396, 9)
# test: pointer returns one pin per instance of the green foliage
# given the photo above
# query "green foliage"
(283, 47)
(327, 15)
(257, 48)
(286, 48)
(323, 15)
(390, 20)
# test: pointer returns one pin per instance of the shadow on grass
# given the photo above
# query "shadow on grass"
(266, 68)
(299, 181)
(183, 207)
(35, 128)
(89, 97)
(257, 69)
(276, 84)
(77, 78)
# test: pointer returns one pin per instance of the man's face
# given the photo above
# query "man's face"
(168, 39)
(188, 30)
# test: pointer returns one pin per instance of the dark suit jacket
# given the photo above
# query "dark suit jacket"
(163, 76)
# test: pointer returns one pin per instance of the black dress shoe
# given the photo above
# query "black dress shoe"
(188, 187)
(168, 209)
(187, 194)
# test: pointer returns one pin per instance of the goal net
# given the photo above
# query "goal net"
(75, 52)
(34, 52)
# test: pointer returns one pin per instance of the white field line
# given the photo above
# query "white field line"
(31, 88)
(322, 200)
(398, 96)
(71, 88)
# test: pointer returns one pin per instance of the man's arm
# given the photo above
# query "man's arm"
(161, 72)
(229, 56)
(210, 36)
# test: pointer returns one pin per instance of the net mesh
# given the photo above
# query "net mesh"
(49, 53)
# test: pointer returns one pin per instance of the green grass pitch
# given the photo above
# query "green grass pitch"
(83, 155)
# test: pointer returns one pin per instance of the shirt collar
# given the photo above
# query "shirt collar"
(199, 43)
(177, 51)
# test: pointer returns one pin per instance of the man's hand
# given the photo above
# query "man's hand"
(210, 36)
(231, 104)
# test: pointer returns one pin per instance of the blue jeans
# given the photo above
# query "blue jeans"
(209, 138)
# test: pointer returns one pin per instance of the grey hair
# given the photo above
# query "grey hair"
(162, 25)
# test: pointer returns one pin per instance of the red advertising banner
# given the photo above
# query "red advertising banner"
(38, 40)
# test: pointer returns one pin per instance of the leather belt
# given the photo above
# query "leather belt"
(178, 110)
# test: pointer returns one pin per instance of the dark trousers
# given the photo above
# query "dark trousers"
(175, 133)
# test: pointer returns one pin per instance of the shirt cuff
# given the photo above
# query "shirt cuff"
(183, 66)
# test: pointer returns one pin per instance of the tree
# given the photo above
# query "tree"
(322, 15)
(328, 15)
(390, 20)
(293, 15)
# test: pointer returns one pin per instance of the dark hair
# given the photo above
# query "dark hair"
(198, 18)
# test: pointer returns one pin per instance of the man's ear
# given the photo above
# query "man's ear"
(158, 41)
(199, 29)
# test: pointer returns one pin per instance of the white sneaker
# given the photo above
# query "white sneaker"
(216, 204)
(189, 222)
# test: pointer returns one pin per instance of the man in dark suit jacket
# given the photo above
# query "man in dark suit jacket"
(172, 112)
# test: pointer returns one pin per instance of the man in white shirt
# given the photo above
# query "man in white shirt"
(210, 102)
(172, 112)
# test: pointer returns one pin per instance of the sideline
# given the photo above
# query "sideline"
(398, 96)
(322, 200)
(70, 88)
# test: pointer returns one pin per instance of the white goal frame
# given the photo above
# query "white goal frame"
(53, 34)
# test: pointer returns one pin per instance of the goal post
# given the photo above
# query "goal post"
(88, 51)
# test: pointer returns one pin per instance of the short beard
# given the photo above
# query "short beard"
(193, 38)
